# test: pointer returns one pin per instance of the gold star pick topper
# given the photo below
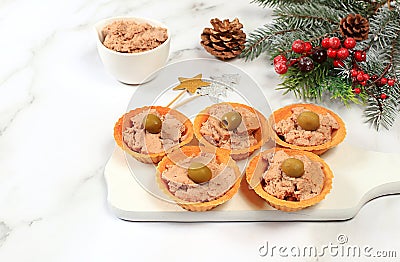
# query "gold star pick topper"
(191, 84)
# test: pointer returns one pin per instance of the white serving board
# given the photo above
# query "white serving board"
(359, 176)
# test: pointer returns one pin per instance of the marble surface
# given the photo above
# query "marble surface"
(58, 106)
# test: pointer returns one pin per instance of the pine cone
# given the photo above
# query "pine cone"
(354, 26)
(225, 40)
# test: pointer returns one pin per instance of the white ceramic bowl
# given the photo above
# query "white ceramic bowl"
(132, 68)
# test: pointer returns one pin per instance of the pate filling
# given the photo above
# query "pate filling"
(181, 186)
(277, 183)
(291, 132)
(139, 140)
(239, 138)
(132, 37)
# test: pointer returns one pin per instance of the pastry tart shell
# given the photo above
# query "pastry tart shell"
(285, 112)
(221, 157)
(123, 122)
(261, 134)
(254, 172)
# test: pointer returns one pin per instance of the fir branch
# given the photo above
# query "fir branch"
(318, 83)
(342, 89)
(383, 58)
(384, 28)
(259, 41)
(293, 21)
(311, 21)
(380, 116)
(288, 26)
(304, 85)
(395, 55)
(348, 6)
(273, 3)
(283, 43)
(395, 70)
(312, 12)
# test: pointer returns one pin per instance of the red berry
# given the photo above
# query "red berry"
(379, 83)
(383, 96)
(374, 77)
(366, 77)
(319, 55)
(331, 53)
(363, 83)
(280, 59)
(307, 47)
(342, 53)
(338, 63)
(334, 42)
(325, 43)
(298, 46)
(357, 90)
(349, 43)
(360, 56)
(390, 82)
(353, 72)
(281, 68)
(306, 64)
(384, 81)
(360, 77)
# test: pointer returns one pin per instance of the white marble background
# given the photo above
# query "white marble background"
(57, 110)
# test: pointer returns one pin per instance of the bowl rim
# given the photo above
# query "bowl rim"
(101, 23)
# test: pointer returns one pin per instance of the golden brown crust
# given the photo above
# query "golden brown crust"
(285, 112)
(261, 134)
(222, 157)
(152, 157)
(254, 180)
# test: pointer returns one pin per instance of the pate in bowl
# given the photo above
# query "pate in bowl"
(132, 48)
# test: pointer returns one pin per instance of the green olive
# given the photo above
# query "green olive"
(231, 120)
(199, 172)
(293, 167)
(308, 120)
(152, 124)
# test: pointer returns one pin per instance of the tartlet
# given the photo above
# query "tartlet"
(151, 157)
(259, 135)
(255, 176)
(337, 135)
(220, 156)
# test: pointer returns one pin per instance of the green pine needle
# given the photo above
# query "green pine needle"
(273, 3)
(342, 89)
(380, 113)
(304, 84)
